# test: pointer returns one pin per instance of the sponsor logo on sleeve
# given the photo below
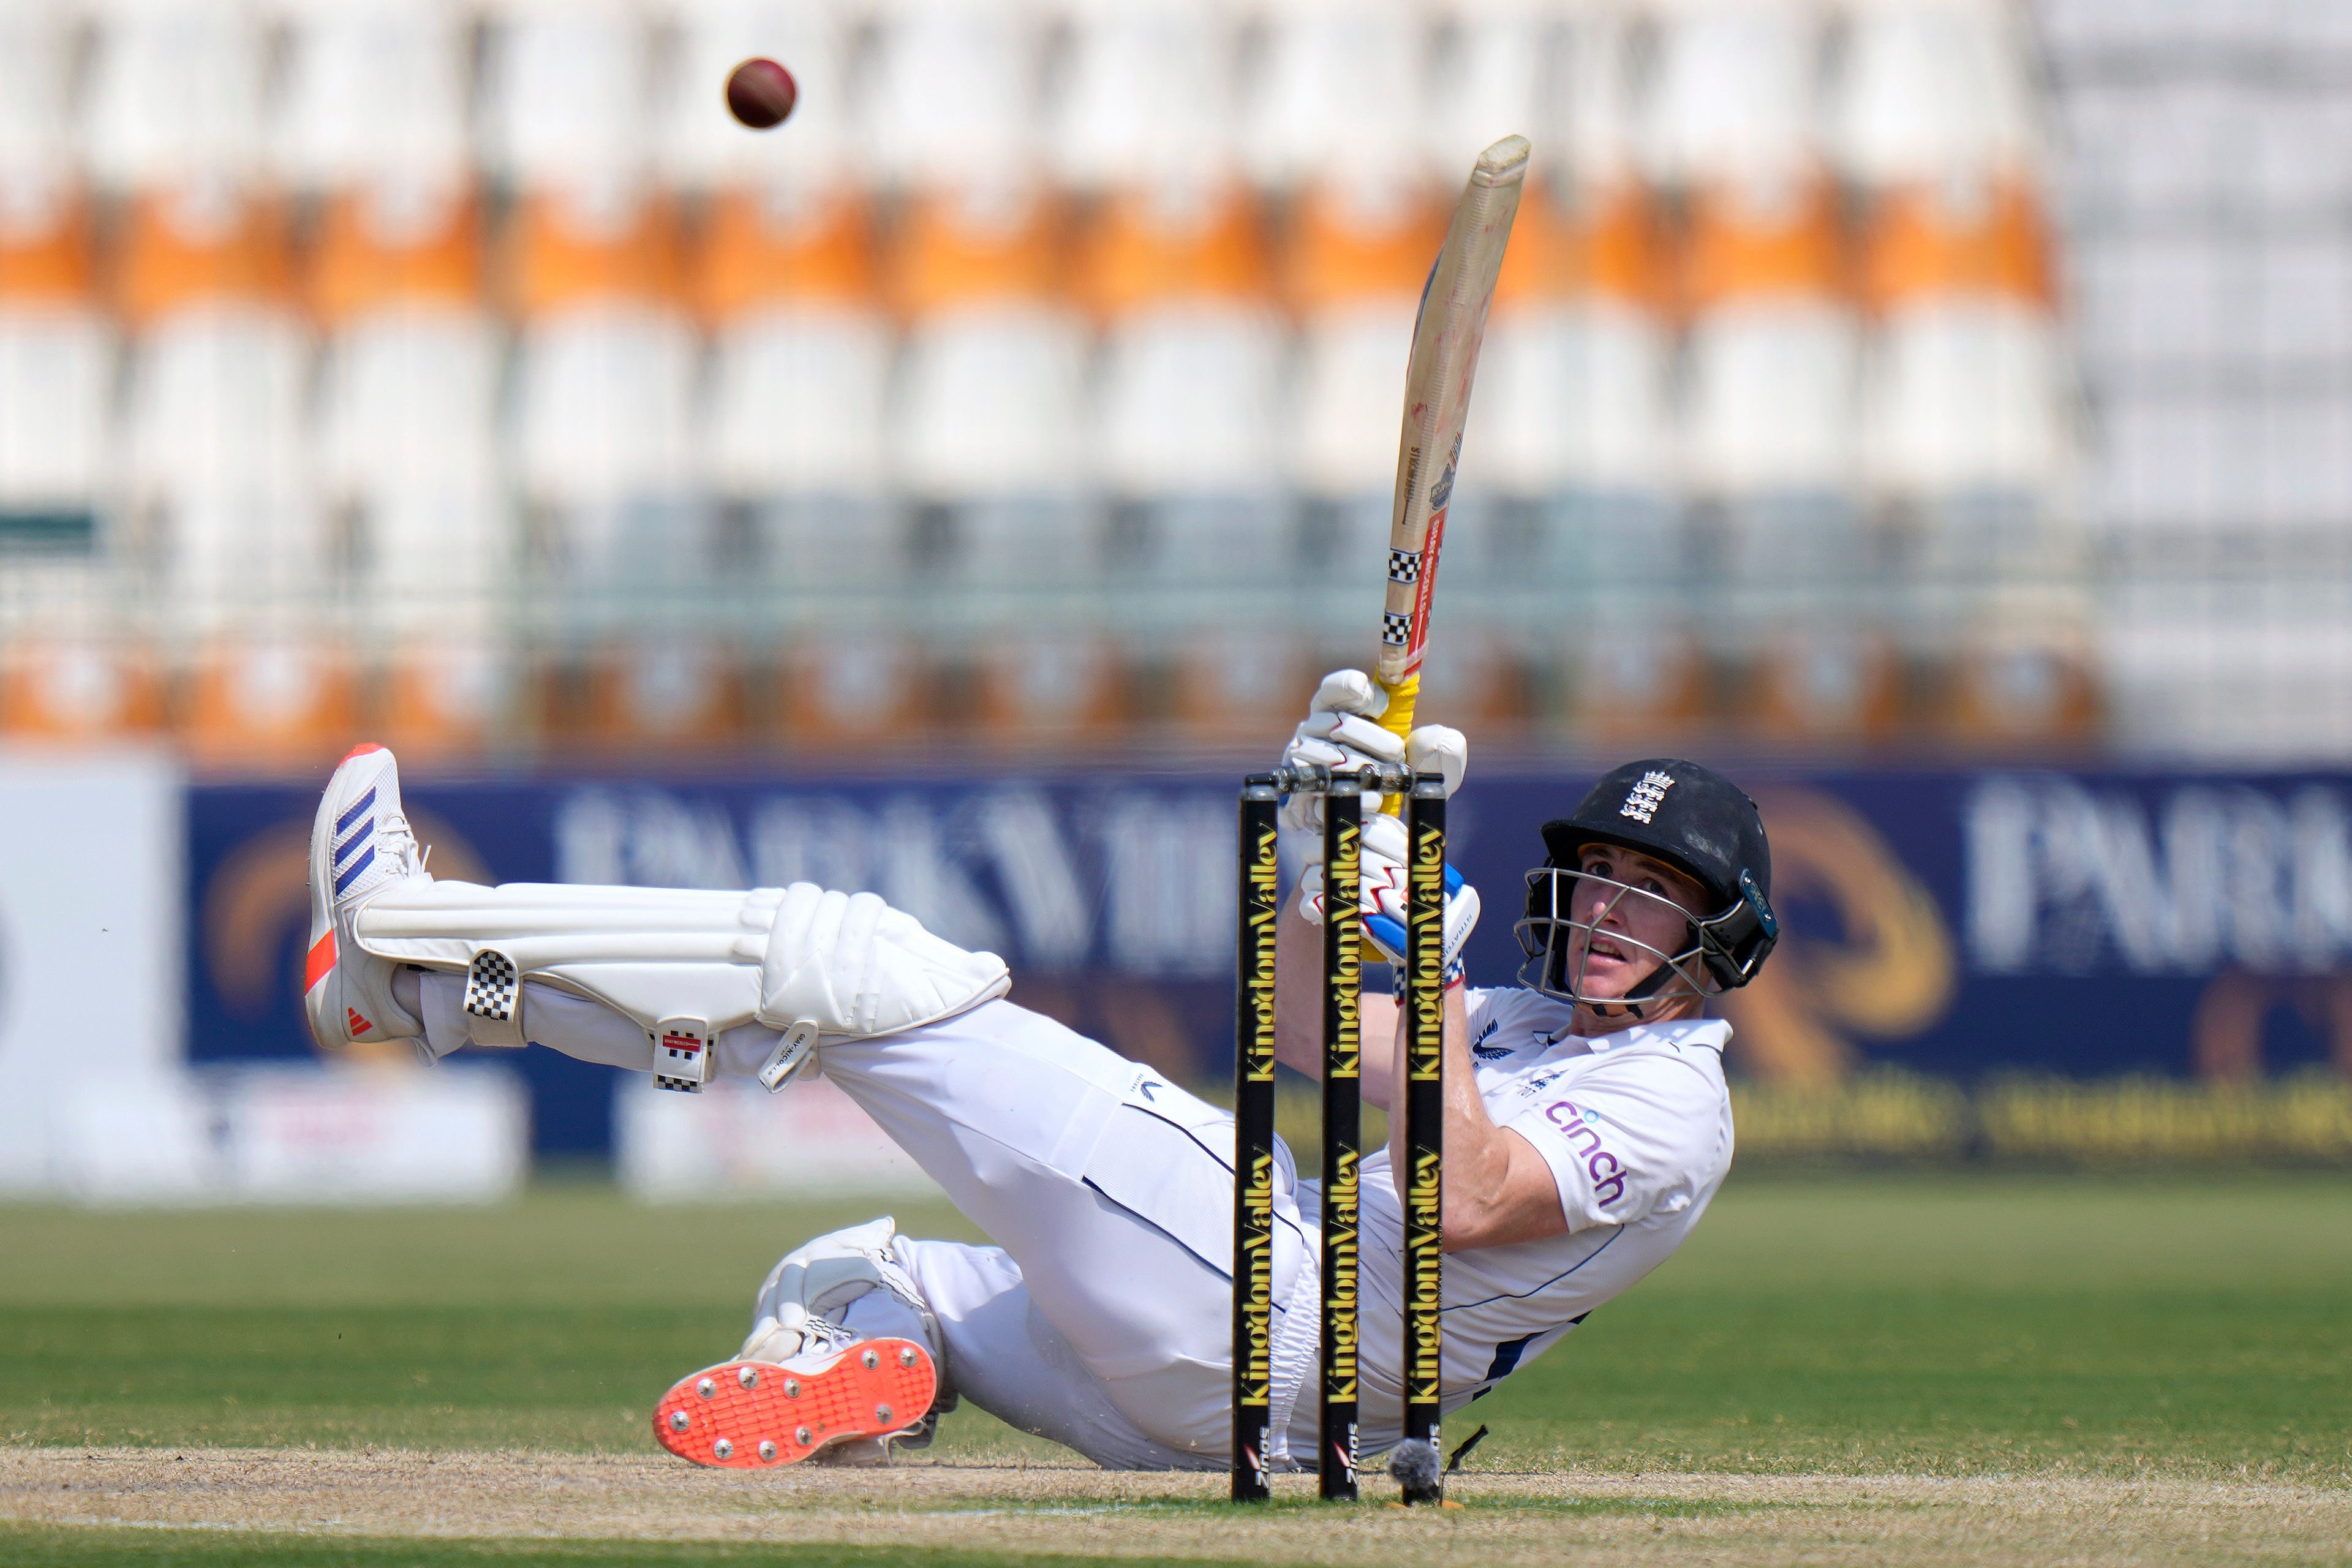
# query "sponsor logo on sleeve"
(1582, 1129)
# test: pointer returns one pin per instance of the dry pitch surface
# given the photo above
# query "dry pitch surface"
(1666, 1519)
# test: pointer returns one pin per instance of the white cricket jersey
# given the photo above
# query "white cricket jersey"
(1636, 1127)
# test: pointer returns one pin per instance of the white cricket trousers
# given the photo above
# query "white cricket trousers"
(1102, 1318)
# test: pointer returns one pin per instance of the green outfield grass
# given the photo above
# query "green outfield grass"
(1927, 1324)
(203, 1549)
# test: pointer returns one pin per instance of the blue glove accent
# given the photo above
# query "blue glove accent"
(1388, 934)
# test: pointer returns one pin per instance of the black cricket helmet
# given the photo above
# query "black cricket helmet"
(1695, 820)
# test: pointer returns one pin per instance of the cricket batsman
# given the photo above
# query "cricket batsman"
(1586, 1123)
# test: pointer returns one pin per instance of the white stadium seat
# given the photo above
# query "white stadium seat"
(174, 91)
(1494, 77)
(373, 90)
(1595, 126)
(215, 451)
(1931, 89)
(1149, 93)
(955, 93)
(1339, 91)
(1735, 90)
(37, 46)
(566, 90)
(793, 428)
(57, 377)
(1188, 408)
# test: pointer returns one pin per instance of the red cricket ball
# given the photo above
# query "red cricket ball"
(761, 93)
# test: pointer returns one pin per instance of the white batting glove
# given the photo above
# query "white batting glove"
(1342, 731)
(1382, 896)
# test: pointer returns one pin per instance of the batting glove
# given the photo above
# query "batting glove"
(1382, 898)
(1342, 731)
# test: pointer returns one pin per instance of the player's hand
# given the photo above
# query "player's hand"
(1342, 731)
(1382, 896)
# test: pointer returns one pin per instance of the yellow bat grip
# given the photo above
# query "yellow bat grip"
(1397, 720)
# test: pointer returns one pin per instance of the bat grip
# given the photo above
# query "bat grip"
(1397, 720)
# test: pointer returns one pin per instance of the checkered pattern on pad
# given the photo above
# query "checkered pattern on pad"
(490, 984)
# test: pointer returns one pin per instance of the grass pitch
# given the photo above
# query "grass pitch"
(1830, 1360)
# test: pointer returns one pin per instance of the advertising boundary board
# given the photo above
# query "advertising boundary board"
(90, 984)
(1965, 926)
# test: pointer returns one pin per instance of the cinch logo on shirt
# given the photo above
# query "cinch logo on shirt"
(1579, 1123)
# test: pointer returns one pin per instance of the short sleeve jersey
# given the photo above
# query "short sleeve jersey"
(1637, 1128)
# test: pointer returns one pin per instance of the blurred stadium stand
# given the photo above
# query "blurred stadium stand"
(1888, 376)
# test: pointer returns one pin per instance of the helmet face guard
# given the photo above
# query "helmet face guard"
(1718, 953)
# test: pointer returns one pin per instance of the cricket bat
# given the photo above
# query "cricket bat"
(1446, 336)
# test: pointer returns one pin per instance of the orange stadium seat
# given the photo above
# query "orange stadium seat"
(1245, 694)
(1480, 682)
(78, 689)
(1830, 684)
(1052, 692)
(845, 692)
(268, 702)
(2024, 681)
(662, 696)
(1617, 440)
(1636, 682)
(448, 694)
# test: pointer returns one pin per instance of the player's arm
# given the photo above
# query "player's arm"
(1299, 1009)
(1497, 1188)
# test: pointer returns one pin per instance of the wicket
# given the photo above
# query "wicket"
(1421, 1101)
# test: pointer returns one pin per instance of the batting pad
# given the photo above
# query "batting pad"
(685, 965)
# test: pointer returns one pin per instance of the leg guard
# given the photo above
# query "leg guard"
(683, 965)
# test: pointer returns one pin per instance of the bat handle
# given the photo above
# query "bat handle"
(1397, 720)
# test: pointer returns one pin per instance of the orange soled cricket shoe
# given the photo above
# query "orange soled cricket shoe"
(757, 1415)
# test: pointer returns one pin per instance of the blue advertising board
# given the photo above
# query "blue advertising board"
(1956, 923)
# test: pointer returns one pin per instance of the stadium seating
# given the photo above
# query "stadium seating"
(1056, 325)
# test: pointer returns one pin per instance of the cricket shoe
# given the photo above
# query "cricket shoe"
(850, 1402)
(359, 845)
